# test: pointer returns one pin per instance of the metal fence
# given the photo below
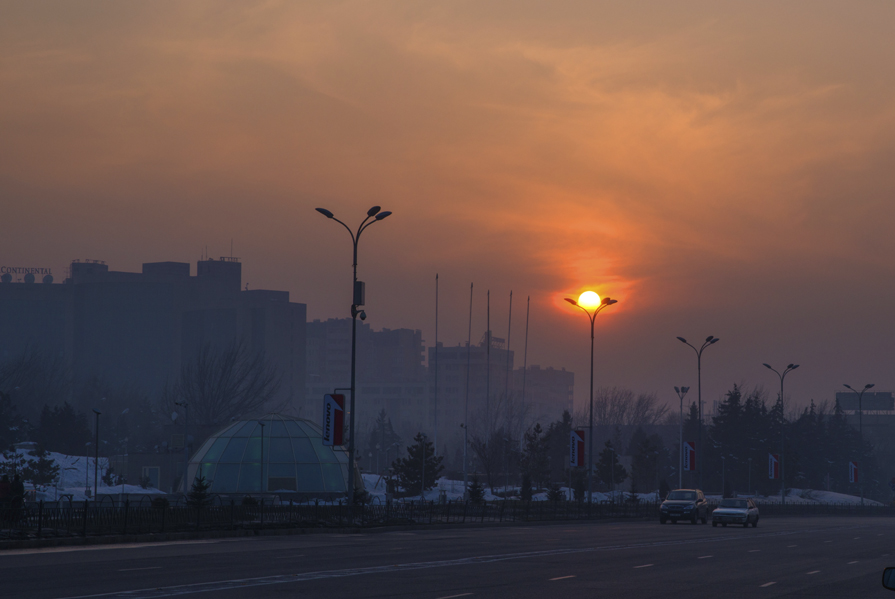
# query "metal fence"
(44, 521)
(39, 520)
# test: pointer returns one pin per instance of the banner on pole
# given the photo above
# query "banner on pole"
(773, 466)
(576, 448)
(689, 456)
(852, 472)
(333, 419)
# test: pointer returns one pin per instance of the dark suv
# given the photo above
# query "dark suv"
(684, 504)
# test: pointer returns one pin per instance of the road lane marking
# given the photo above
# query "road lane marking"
(705, 557)
(240, 583)
(455, 596)
(562, 577)
(644, 566)
(854, 562)
(814, 572)
(856, 538)
(289, 556)
(791, 546)
(828, 541)
(767, 584)
(750, 551)
(135, 569)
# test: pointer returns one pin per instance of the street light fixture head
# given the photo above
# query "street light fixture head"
(589, 299)
(571, 301)
(767, 366)
(373, 211)
(685, 389)
(847, 386)
(325, 212)
(383, 215)
(869, 385)
(681, 339)
(714, 340)
(677, 390)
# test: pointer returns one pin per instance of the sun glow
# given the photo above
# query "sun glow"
(588, 300)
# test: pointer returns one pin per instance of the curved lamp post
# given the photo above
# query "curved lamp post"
(591, 304)
(782, 376)
(681, 392)
(374, 215)
(710, 340)
(861, 427)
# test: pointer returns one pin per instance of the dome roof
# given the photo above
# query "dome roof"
(294, 459)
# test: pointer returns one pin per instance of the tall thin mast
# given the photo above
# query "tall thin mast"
(525, 356)
(488, 367)
(436, 364)
(506, 391)
(466, 405)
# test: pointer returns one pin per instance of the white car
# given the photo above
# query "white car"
(736, 511)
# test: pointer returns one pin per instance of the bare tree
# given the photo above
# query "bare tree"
(615, 406)
(221, 384)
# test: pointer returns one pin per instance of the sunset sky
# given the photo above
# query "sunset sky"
(721, 168)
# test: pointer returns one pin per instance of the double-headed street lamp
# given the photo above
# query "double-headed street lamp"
(588, 301)
(376, 215)
(681, 392)
(782, 376)
(710, 340)
(861, 427)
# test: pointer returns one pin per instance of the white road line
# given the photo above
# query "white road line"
(135, 569)
(289, 556)
(791, 546)
(241, 583)
(562, 577)
(828, 541)
(750, 551)
(767, 584)
(644, 566)
(813, 572)
(854, 562)
(705, 557)
(455, 596)
(856, 538)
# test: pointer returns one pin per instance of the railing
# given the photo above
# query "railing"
(41, 521)
(90, 519)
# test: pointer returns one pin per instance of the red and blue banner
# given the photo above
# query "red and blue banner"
(333, 419)
(576, 448)
(689, 456)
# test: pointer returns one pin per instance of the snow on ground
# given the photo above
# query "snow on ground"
(74, 472)
(453, 490)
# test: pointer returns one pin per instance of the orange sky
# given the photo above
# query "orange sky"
(720, 168)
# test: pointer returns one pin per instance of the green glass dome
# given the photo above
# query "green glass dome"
(294, 459)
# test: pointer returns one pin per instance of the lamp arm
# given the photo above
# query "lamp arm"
(350, 232)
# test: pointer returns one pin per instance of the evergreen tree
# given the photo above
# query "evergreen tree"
(40, 468)
(555, 493)
(12, 426)
(409, 470)
(476, 490)
(198, 496)
(535, 458)
(610, 471)
(525, 492)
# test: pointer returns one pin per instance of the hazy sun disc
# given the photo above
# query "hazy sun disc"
(589, 299)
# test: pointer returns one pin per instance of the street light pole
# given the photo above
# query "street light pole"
(261, 488)
(681, 392)
(782, 376)
(96, 456)
(585, 300)
(710, 340)
(357, 300)
(750, 476)
(186, 433)
(861, 430)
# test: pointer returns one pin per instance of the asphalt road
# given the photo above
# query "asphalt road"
(783, 557)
